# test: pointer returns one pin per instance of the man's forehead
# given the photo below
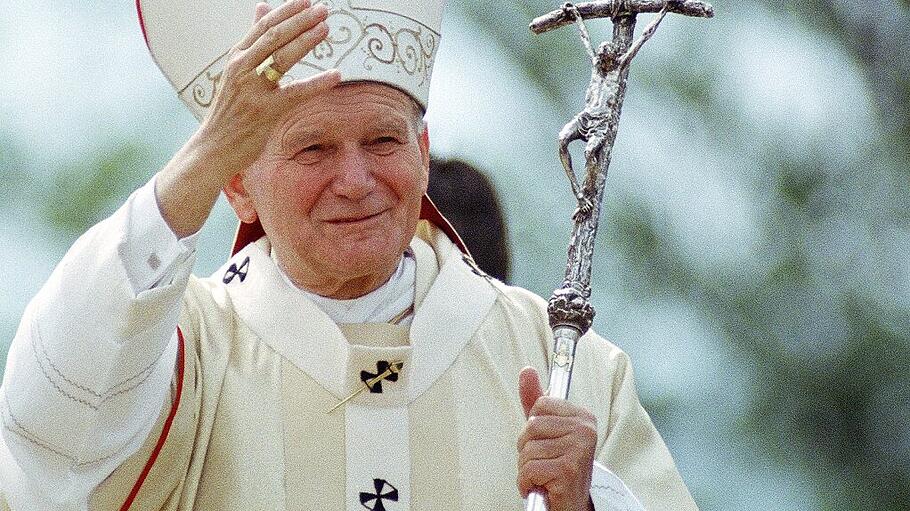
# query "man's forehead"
(352, 107)
(314, 126)
(308, 129)
(361, 94)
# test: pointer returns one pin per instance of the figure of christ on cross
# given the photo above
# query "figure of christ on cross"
(597, 125)
(598, 122)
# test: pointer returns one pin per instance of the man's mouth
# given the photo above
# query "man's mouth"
(351, 220)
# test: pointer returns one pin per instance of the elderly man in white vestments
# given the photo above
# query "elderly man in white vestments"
(132, 384)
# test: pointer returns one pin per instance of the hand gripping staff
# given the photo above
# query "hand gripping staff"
(569, 309)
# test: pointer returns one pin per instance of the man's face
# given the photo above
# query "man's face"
(338, 186)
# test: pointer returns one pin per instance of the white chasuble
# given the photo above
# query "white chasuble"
(263, 366)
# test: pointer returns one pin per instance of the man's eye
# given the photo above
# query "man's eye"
(309, 154)
(384, 144)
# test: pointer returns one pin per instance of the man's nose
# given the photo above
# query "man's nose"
(355, 174)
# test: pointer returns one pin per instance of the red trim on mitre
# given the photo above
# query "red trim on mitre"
(248, 233)
(142, 23)
(164, 430)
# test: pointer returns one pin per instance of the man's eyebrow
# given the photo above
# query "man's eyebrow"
(394, 125)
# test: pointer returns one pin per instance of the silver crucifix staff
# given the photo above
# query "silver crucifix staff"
(570, 311)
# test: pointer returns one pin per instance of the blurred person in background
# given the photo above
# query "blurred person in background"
(468, 200)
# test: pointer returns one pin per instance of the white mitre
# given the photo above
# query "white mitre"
(388, 41)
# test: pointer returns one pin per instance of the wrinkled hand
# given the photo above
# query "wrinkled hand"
(556, 448)
(248, 106)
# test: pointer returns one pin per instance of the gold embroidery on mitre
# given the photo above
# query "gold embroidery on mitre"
(204, 96)
(358, 37)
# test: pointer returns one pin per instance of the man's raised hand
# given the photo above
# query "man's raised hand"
(249, 105)
(246, 109)
(556, 448)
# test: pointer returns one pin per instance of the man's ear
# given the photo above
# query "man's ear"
(240, 200)
(424, 144)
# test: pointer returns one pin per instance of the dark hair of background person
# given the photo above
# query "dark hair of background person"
(469, 201)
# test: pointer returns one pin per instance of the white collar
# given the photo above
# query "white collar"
(378, 306)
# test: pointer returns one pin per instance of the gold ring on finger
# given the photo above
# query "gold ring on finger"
(266, 68)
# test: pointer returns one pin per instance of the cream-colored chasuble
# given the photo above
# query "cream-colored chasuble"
(263, 366)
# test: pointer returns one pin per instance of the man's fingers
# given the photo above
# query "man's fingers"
(556, 447)
(275, 38)
(299, 90)
(262, 9)
(544, 449)
(547, 427)
(555, 406)
(294, 51)
(536, 474)
(529, 389)
(270, 19)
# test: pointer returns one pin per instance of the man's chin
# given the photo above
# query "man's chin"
(365, 261)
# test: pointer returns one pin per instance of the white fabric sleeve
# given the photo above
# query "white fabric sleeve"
(92, 361)
(609, 493)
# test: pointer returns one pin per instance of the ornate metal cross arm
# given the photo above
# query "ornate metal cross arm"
(612, 8)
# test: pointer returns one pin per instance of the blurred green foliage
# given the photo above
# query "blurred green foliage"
(83, 193)
(867, 29)
(16, 178)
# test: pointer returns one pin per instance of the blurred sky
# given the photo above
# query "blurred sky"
(77, 79)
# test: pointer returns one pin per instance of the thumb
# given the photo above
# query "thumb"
(529, 389)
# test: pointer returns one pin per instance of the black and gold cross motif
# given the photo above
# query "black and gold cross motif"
(235, 271)
(384, 492)
(386, 371)
(383, 372)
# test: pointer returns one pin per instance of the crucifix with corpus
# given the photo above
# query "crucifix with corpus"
(570, 310)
